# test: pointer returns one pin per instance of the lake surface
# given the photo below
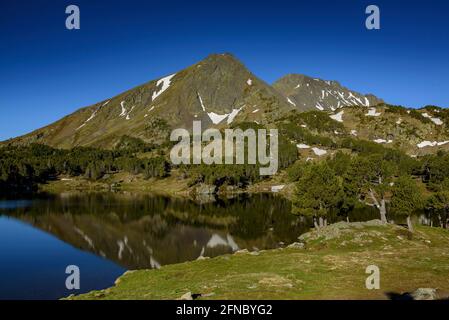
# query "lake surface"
(106, 234)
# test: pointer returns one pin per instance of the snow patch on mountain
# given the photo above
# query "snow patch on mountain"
(201, 102)
(291, 102)
(218, 118)
(165, 85)
(233, 114)
(437, 121)
(337, 117)
(382, 141)
(319, 152)
(127, 114)
(372, 112)
(92, 115)
(331, 98)
(123, 113)
(90, 118)
(431, 144)
(366, 102)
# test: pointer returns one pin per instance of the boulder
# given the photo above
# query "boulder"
(425, 294)
(186, 296)
(244, 251)
(296, 245)
(205, 189)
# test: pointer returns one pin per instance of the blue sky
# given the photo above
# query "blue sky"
(47, 71)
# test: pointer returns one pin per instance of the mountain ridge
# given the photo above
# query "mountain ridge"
(218, 91)
(314, 93)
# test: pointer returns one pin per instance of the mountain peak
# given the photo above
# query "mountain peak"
(222, 59)
(218, 91)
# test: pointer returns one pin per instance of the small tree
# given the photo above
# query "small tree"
(438, 204)
(406, 198)
(318, 191)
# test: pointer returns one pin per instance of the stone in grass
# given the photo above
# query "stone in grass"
(334, 231)
(425, 294)
(296, 245)
(244, 251)
(190, 296)
(186, 296)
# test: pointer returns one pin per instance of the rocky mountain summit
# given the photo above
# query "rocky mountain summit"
(307, 93)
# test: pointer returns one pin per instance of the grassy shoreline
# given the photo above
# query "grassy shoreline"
(330, 265)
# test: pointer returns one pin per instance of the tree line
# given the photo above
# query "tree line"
(390, 181)
(22, 168)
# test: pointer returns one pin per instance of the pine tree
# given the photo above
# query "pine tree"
(318, 191)
(406, 198)
(438, 204)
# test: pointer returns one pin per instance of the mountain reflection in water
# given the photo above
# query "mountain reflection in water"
(144, 231)
(107, 233)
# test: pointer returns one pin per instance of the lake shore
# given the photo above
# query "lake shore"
(172, 186)
(329, 263)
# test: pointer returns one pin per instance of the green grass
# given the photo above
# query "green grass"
(324, 269)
